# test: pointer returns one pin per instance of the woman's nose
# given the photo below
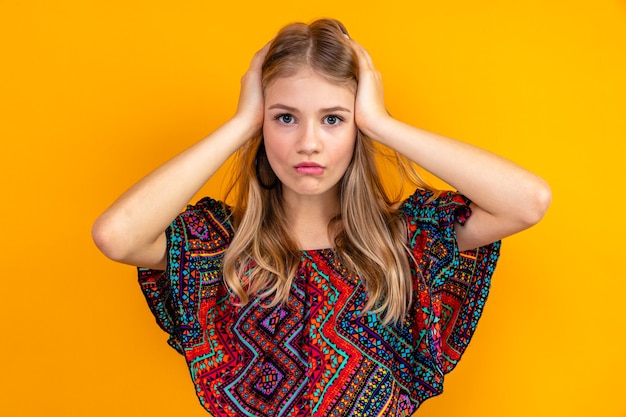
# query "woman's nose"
(308, 140)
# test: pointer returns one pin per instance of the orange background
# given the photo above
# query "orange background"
(95, 94)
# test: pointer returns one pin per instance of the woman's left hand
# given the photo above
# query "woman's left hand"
(370, 108)
(505, 197)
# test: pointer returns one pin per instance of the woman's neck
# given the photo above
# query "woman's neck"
(308, 221)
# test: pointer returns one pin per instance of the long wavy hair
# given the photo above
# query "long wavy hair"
(369, 232)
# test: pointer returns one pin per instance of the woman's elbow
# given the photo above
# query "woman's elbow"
(538, 201)
(116, 241)
(108, 240)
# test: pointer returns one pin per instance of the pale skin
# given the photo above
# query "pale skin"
(505, 197)
(309, 134)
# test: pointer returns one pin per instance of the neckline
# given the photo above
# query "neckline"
(319, 250)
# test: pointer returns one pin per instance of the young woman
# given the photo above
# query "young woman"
(316, 293)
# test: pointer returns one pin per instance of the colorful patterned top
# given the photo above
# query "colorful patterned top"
(317, 355)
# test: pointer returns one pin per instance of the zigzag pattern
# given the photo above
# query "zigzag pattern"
(318, 355)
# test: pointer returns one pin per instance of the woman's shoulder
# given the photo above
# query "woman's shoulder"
(206, 220)
(208, 206)
(425, 203)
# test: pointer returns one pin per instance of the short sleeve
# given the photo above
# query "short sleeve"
(452, 286)
(196, 241)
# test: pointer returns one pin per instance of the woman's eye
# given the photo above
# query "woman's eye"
(285, 118)
(333, 120)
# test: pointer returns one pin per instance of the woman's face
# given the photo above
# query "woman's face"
(310, 133)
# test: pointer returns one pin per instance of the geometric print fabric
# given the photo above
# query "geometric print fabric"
(318, 355)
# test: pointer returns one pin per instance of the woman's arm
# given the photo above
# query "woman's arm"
(505, 197)
(132, 230)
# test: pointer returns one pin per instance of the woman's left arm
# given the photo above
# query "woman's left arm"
(505, 197)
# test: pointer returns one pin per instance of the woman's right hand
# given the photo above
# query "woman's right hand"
(132, 229)
(250, 107)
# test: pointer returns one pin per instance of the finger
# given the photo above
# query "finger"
(364, 58)
(263, 51)
(259, 56)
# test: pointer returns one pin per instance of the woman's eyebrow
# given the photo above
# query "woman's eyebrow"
(324, 110)
(282, 107)
(334, 109)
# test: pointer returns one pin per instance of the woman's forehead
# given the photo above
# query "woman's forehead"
(306, 89)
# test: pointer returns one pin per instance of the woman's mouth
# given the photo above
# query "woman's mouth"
(309, 168)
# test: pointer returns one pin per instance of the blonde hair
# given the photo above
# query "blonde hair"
(369, 233)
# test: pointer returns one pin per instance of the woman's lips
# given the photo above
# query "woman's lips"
(309, 168)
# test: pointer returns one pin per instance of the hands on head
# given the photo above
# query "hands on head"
(369, 98)
(506, 198)
(250, 106)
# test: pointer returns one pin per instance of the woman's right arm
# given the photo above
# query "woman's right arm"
(132, 229)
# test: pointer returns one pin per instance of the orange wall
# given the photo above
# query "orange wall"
(95, 94)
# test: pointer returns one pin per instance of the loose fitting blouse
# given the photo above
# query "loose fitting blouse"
(317, 354)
